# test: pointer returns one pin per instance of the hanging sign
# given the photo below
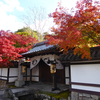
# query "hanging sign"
(35, 60)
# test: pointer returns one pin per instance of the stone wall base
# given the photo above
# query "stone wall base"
(3, 84)
(83, 96)
(19, 83)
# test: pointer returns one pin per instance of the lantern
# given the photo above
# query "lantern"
(23, 69)
(53, 68)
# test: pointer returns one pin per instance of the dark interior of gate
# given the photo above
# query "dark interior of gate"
(46, 76)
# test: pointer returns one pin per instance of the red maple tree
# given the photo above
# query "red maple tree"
(79, 29)
(11, 45)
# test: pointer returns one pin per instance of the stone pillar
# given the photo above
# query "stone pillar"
(74, 96)
(20, 80)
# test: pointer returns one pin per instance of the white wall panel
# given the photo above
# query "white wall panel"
(35, 71)
(66, 71)
(4, 78)
(24, 78)
(13, 79)
(13, 72)
(86, 73)
(35, 78)
(88, 88)
(67, 81)
(0, 71)
(28, 78)
(4, 71)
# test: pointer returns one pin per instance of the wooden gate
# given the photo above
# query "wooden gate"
(46, 76)
(44, 72)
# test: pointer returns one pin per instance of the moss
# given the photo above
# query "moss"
(60, 95)
(11, 86)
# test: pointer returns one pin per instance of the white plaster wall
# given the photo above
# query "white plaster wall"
(88, 88)
(13, 72)
(86, 73)
(66, 71)
(28, 78)
(0, 72)
(4, 78)
(67, 81)
(24, 78)
(13, 79)
(4, 71)
(35, 71)
(35, 78)
(66, 75)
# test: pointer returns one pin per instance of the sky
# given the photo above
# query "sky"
(12, 11)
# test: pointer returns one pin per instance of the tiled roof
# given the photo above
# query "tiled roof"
(95, 54)
(40, 47)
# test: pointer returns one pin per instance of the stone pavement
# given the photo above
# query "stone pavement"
(47, 87)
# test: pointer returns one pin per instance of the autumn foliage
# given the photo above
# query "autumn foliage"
(12, 45)
(78, 30)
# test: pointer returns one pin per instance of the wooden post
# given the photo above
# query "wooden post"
(30, 76)
(70, 80)
(54, 82)
(54, 79)
(8, 75)
(26, 74)
(69, 77)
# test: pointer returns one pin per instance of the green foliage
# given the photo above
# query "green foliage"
(36, 34)
(27, 31)
(23, 33)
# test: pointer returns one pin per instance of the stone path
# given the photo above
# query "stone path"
(47, 87)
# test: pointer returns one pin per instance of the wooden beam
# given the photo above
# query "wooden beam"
(85, 84)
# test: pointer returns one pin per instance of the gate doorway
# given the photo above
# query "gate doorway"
(46, 76)
(44, 72)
